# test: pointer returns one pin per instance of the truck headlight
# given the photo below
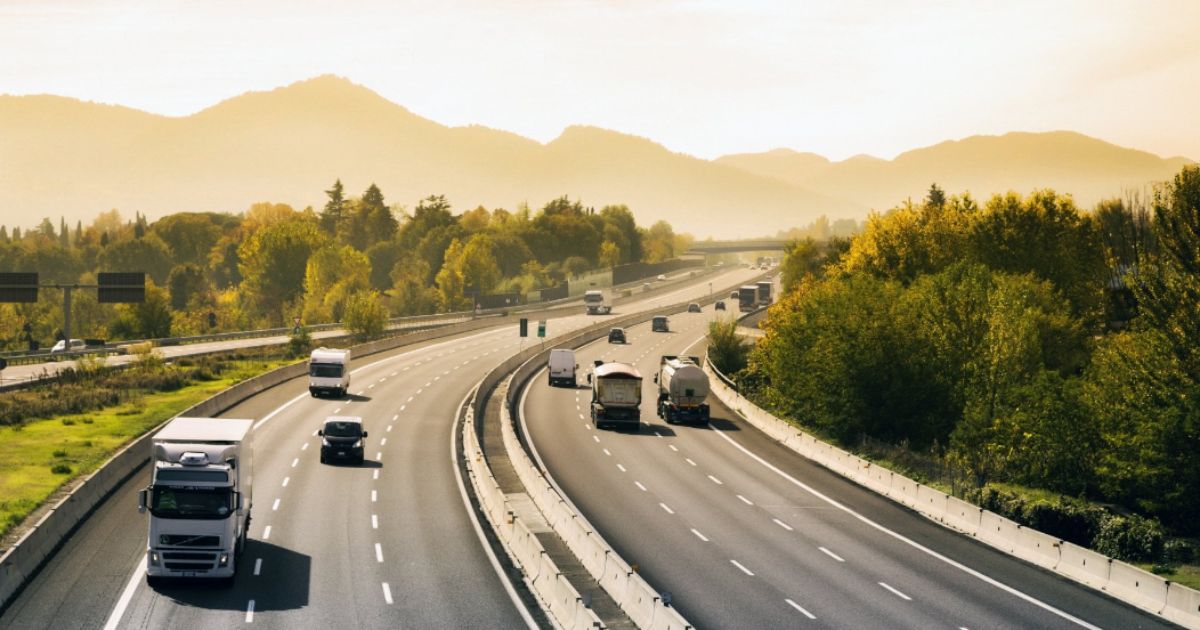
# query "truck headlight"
(224, 560)
(358, 444)
(324, 442)
(154, 558)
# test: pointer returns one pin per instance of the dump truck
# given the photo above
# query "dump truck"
(199, 498)
(616, 395)
(682, 389)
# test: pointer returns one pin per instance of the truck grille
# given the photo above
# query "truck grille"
(177, 555)
(177, 540)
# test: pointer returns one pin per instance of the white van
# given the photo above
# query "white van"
(329, 371)
(562, 367)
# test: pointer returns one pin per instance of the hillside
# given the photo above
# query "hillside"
(64, 157)
(1088, 168)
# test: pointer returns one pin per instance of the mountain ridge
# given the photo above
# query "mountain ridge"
(73, 158)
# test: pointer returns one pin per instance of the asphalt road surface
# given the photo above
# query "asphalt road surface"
(744, 533)
(387, 544)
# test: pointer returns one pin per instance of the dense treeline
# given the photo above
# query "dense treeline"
(1022, 342)
(356, 260)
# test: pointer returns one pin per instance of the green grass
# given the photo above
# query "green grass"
(1187, 575)
(37, 458)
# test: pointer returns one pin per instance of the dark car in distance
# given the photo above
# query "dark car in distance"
(342, 439)
(616, 335)
(719, 306)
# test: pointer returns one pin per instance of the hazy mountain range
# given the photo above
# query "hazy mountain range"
(65, 157)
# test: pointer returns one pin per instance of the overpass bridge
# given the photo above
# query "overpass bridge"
(746, 245)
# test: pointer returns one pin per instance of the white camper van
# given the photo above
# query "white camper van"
(562, 367)
(329, 371)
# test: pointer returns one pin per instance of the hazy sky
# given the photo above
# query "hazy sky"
(705, 78)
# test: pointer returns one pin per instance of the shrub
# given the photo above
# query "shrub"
(60, 469)
(1131, 538)
(67, 422)
(725, 347)
(59, 453)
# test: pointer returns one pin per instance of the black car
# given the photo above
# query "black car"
(342, 439)
(616, 335)
(719, 306)
(694, 307)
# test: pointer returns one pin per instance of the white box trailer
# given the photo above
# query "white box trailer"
(199, 498)
(596, 302)
(329, 372)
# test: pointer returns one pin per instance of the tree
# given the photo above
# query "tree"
(431, 213)
(658, 243)
(148, 254)
(331, 276)
(801, 258)
(191, 236)
(450, 280)
(936, 197)
(150, 319)
(333, 213)
(186, 283)
(273, 261)
(410, 293)
(64, 233)
(365, 314)
(610, 254)
(726, 348)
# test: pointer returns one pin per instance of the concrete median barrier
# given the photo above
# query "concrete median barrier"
(616, 577)
(963, 516)
(1083, 565)
(1136, 586)
(1183, 606)
(997, 531)
(640, 602)
(667, 618)
(585, 618)
(1037, 548)
(932, 503)
(904, 490)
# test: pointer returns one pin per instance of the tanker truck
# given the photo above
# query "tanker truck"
(682, 388)
(616, 395)
(199, 498)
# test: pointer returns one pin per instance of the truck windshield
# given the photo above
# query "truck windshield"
(191, 502)
(326, 370)
(343, 429)
(592, 297)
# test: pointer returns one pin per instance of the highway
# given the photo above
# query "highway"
(744, 533)
(391, 543)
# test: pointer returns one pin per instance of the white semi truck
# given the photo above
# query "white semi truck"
(329, 372)
(596, 303)
(682, 389)
(199, 498)
(616, 395)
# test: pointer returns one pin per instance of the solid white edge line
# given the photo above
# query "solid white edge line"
(487, 548)
(798, 607)
(912, 543)
(118, 611)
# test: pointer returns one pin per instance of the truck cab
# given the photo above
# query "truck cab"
(199, 498)
(596, 303)
(329, 372)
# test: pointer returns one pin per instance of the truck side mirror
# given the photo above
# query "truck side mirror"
(589, 379)
(143, 500)
(237, 502)
(364, 434)
(320, 432)
(655, 378)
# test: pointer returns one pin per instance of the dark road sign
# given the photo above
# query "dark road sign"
(122, 287)
(18, 287)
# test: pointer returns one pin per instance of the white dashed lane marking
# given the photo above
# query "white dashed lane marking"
(744, 569)
(699, 535)
(797, 607)
(896, 592)
(831, 554)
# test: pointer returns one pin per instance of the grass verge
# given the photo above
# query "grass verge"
(39, 456)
